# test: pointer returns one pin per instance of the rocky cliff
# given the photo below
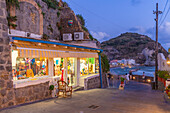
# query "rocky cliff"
(47, 19)
(133, 46)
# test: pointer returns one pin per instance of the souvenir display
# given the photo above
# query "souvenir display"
(83, 66)
(29, 67)
(71, 71)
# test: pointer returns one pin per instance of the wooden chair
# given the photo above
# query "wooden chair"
(64, 89)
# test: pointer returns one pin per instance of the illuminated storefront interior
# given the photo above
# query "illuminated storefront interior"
(38, 64)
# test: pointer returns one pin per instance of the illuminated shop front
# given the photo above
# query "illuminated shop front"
(89, 66)
(33, 63)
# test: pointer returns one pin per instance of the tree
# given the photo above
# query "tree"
(105, 63)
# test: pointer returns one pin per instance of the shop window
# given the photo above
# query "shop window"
(30, 67)
(91, 65)
(96, 65)
(23, 68)
(84, 66)
(71, 77)
(58, 67)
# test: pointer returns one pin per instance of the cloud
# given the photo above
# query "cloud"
(101, 36)
(135, 2)
(163, 34)
(137, 29)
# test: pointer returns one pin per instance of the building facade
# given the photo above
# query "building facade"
(43, 45)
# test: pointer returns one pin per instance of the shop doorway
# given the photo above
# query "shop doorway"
(71, 72)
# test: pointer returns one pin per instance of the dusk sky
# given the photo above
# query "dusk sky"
(107, 19)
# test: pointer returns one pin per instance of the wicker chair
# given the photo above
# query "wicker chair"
(64, 89)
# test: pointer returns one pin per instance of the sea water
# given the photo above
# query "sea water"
(149, 70)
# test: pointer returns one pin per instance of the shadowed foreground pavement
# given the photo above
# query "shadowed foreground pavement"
(136, 98)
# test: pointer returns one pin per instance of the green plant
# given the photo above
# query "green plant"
(45, 37)
(58, 14)
(50, 28)
(122, 79)
(43, 14)
(84, 28)
(65, 4)
(51, 3)
(10, 3)
(60, 28)
(104, 63)
(81, 19)
(92, 38)
(163, 74)
(51, 87)
(10, 20)
(39, 5)
(60, 8)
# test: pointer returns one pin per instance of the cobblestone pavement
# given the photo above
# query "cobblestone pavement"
(136, 98)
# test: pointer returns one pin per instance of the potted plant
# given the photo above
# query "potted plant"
(167, 89)
(122, 80)
(163, 76)
(169, 95)
(51, 88)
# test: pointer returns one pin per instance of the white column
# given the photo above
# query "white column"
(51, 67)
(65, 69)
(78, 71)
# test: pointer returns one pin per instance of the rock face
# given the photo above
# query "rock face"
(34, 13)
(27, 20)
(132, 46)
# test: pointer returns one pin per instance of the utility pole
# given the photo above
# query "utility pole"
(156, 47)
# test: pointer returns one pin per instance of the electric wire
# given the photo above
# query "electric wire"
(100, 17)
(165, 17)
(164, 10)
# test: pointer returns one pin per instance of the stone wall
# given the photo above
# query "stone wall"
(95, 82)
(161, 86)
(6, 85)
(32, 93)
(8, 95)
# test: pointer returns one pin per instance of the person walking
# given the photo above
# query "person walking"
(130, 75)
(109, 78)
(143, 76)
(127, 78)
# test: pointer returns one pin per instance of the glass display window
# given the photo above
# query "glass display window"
(23, 68)
(58, 66)
(91, 65)
(71, 77)
(84, 66)
(96, 65)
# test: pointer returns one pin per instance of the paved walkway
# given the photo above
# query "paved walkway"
(136, 98)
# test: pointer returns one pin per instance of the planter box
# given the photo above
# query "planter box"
(121, 86)
(159, 79)
(162, 80)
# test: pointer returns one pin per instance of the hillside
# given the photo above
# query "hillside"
(133, 46)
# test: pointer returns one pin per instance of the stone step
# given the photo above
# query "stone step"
(78, 88)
